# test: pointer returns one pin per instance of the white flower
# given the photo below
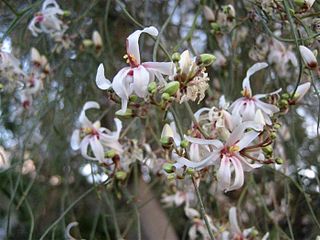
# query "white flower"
(228, 154)
(95, 136)
(134, 79)
(247, 105)
(4, 158)
(308, 57)
(10, 67)
(47, 20)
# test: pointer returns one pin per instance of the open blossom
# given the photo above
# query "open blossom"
(247, 105)
(10, 67)
(47, 19)
(92, 134)
(136, 77)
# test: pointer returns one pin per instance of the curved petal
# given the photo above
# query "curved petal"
(239, 176)
(84, 148)
(224, 173)
(133, 41)
(185, 62)
(235, 229)
(199, 112)
(118, 126)
(302, 90)
(101, 81)
(248, 166)
(140, 81)
(75, 140)
(84, 121)
(249, 110)
(246, 81)
(121, 85)
(165, 68)
(247, 139)
(196, 165)
(258, 96)
(266, 107)
(97, 148)
(215, 143)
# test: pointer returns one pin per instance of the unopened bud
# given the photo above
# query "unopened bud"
(285, 96)
(165, 96)
(166, 141)
(277, 126)
(279, 160)
(97, 40)
(208, 14)
(268, 149)
(66, 13)
(87, 42)
(168, 167)
(176, 57)
(273, 135)
(110, 154)
(184, 144)
(215, 27)
(172, 87)
(152, 87)
(121, 175)
(133, 98)
(283, 103)
(190, 171)
(308, 57)
(205, 59)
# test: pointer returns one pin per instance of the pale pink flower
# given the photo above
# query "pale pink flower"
(308, 57)
(93, 135)
(247, 105)
(136, 77)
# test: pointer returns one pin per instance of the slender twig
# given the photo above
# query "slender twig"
(202, 209)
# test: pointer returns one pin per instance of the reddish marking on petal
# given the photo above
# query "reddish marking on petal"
(26, 104)
(130, 73)
(39, 18)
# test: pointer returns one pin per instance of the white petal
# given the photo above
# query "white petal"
(247, 139)
(246, 82)
(165, 68)
(258, 96)
(118, 126)
(133, 41)
(308, 57)
(239, 177)
(185, 62)
(215, 143)
(101, 81)
(269, 109)
(224, 173)
(75, 140)
(235, 229)
(249, 110)
(85, 122)
(167, 131)
(97, 148)
(141, 80)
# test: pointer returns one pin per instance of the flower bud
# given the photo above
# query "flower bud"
(190, 171)
(87, 42)
(110, 154)
(299, 2)
(273, 135)
(126, 114)
(133, 98)
(267, 149)
(152, 87)
(308, 57)
(35, 56)
(283, 103)
(205, 59)
(171, 176)
(215, 27)
(97, 40)
(176, 57)
(301, 91)
(277, 126)
(172, 87)
(166, 141)
(229, 10)
(168, 167)
(165, 96)
(285, 96)
(121, 175)
(66, 13)
(279, 160)
(184, 144)
(208, 14)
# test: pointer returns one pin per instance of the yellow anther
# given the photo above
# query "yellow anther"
(87, 130)
(234, 148)
(125, 56)
(246, 93)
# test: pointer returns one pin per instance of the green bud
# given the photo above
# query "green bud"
(279, 160)
(66, 13)
(273, 135)
(299, 2)
(121, 175)
(166, 141)
(133, 98)
(152, 87)
(168, 167)
(165, 96)
(205, 59)
(277, 126)
(176, 57)
(283, 103)
(87, 42)
(215, 27)
(285, 96)
(110, 154)
(268, 149)
(126, 114)
(1, 86)
(171, 176)
(172, 87)
(184, 144)
(190, 171)
(254, 233)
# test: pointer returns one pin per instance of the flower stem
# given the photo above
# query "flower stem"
(203, 211)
